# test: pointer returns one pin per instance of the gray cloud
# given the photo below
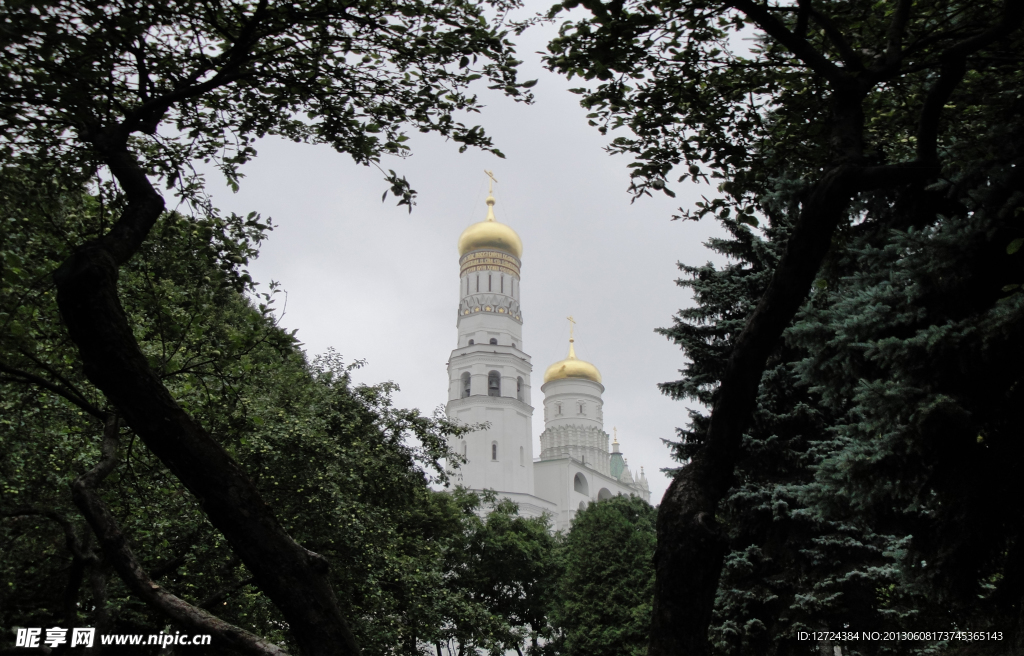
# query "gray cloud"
(379, 284)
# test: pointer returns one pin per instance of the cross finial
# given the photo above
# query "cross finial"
(616, 431)
(572, 324)
(490, 195)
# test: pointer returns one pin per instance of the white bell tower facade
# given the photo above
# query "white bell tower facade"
(489, 371)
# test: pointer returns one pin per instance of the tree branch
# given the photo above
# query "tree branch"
(224, 593)
(87, 295)
(81, 556)
(119, 554)
(835, 35)
(691, 546)
(894, 36)
(73, 396)
(953, 68)
(799, 46)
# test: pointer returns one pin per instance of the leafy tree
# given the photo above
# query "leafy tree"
(850, 100)
(509, 568)
(169, 84)
(347, 473)
(603, 596)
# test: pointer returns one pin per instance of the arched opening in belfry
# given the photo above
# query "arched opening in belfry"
(494, 384)
(604, 494)
(519, 388)
(494, 450)
(494, 341)
(579, 483)
(465, 384)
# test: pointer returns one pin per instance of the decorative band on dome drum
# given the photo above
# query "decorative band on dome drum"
(489, 261)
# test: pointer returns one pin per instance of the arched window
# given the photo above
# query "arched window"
(605, 493)
(494, 340)
(493, 384)
(464, 449)
(494, 450)
(583, 505)
(579, 483)
(580, 403)
(558, 409)
(465, 384)
(502, 284)
(519, 389)
(522, 457)
(513, 344)
(488, 282)
(478, 283)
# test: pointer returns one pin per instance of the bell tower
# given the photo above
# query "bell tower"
(488, 371)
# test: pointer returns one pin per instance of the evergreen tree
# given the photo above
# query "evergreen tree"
(858, 102)
(863, 494)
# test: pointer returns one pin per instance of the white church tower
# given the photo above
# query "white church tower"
(489, 370)
(575, 466)
(489, 382)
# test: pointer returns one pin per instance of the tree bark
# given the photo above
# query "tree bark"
(119, 554)
(688, 559)
(294, 578)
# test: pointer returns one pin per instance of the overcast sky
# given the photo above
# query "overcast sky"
(377, 283)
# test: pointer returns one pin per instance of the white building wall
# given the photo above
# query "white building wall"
(555, 480)
(499, 457)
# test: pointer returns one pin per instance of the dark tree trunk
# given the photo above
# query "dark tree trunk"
(691, 546)
(101, 619)
(294, 578)
(688, 560)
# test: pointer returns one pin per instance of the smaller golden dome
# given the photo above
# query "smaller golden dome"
(572, 368)
(490, 235)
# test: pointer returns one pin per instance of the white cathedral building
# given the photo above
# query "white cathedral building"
(489, 381)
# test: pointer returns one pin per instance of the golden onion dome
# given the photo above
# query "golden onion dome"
(571, 367)
(490, 235)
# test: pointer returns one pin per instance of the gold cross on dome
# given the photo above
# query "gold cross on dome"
(490, 185)
(572, 324)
